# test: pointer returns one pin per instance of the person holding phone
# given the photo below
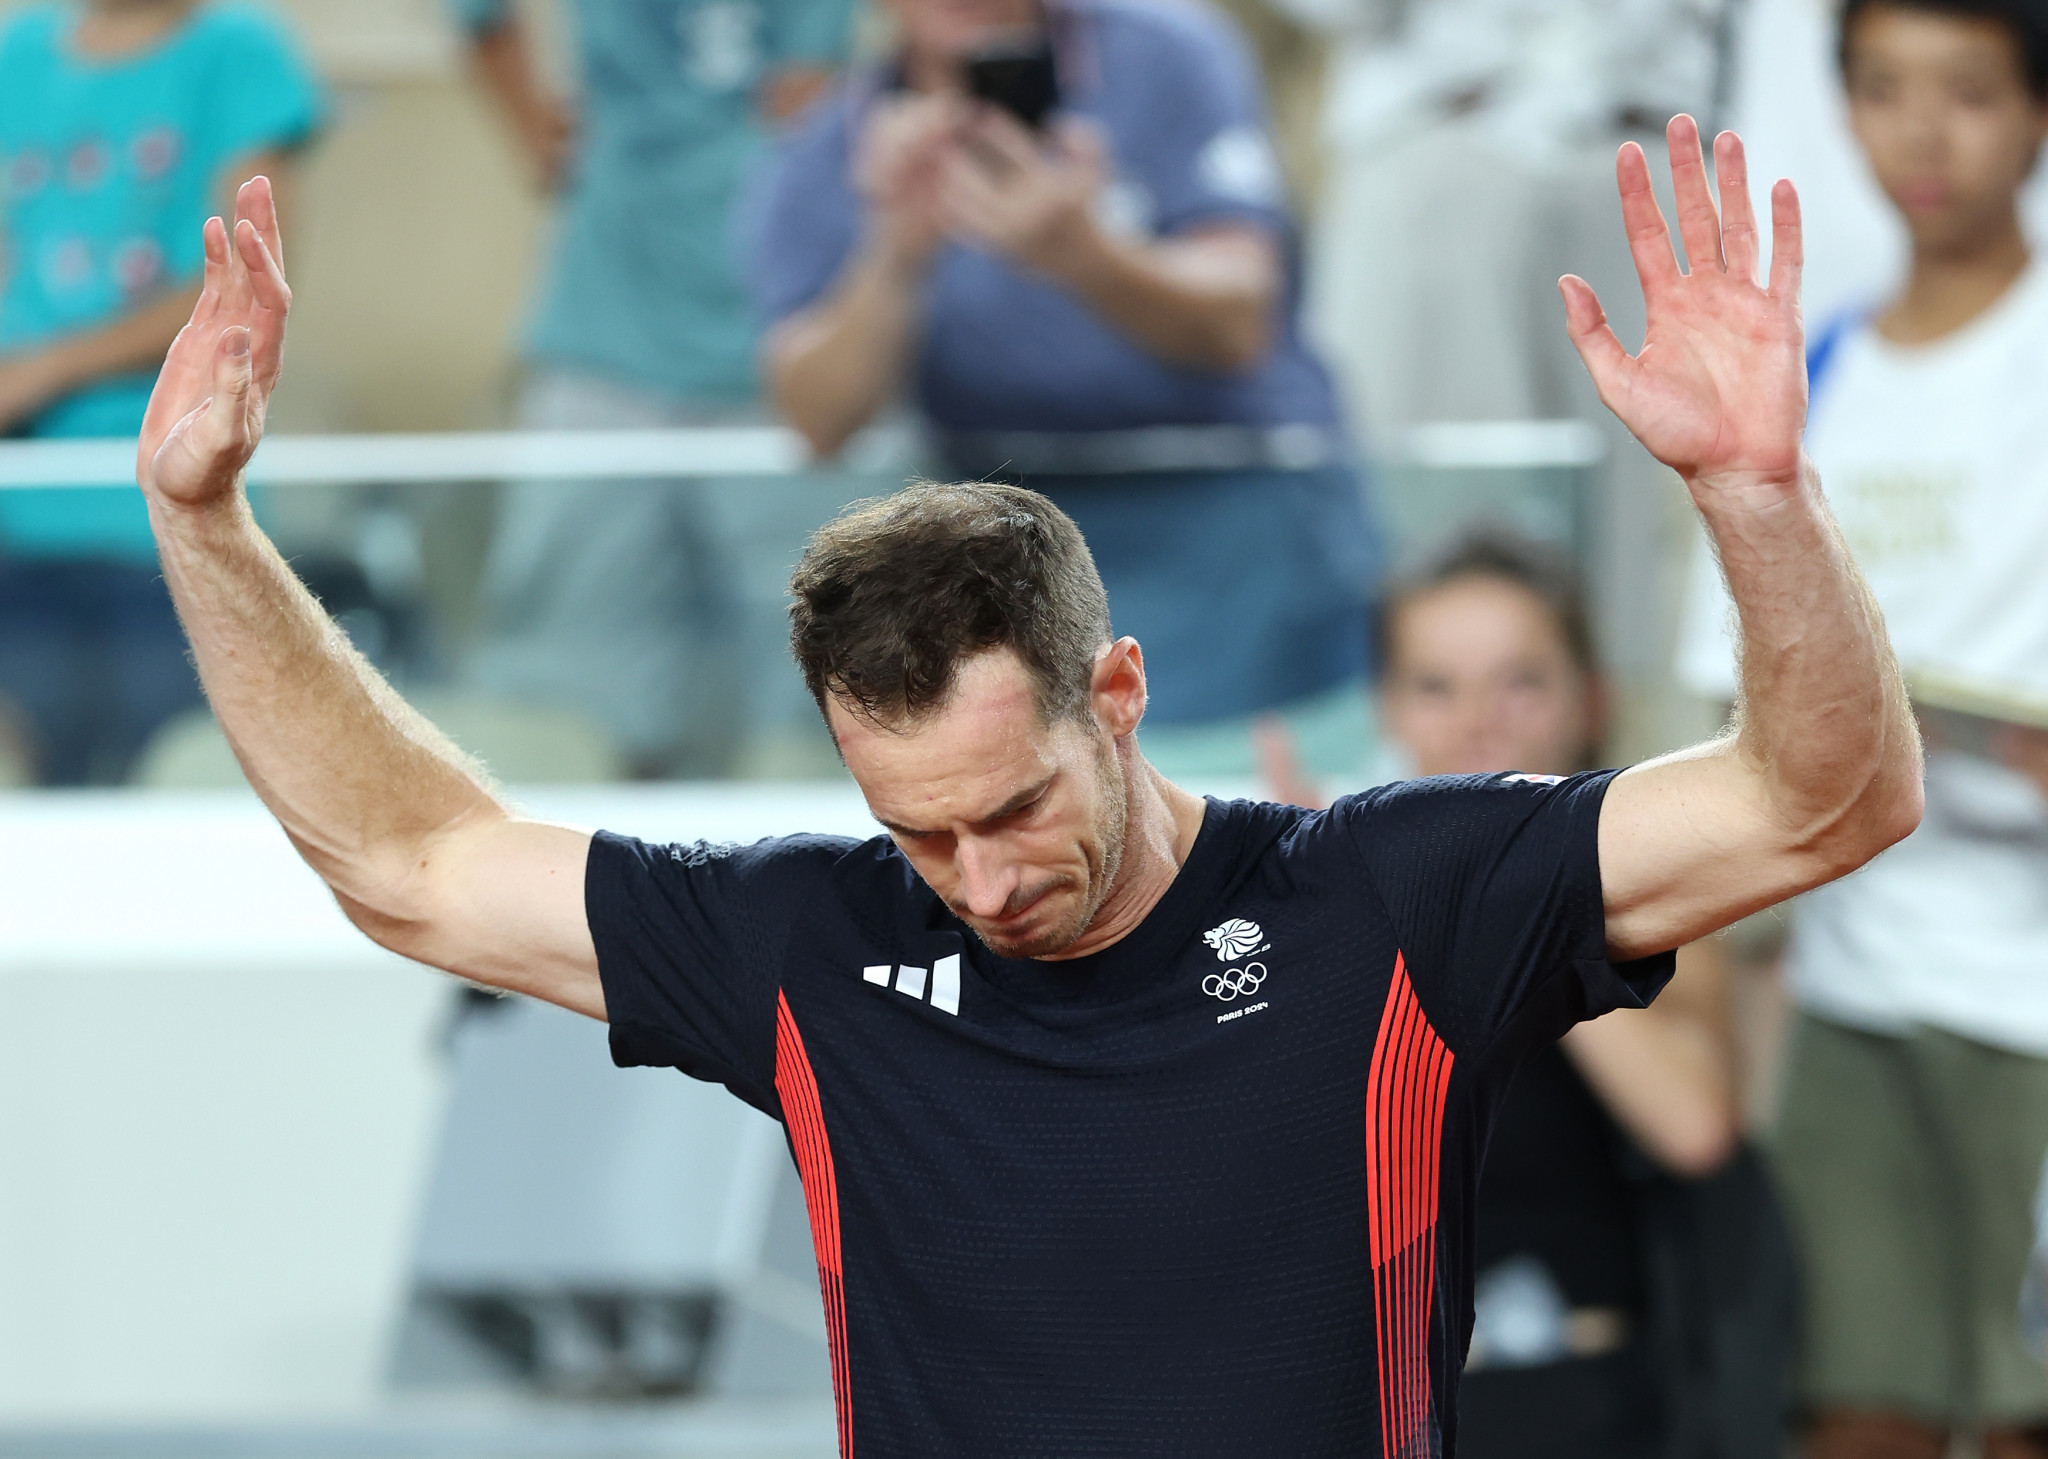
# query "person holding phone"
(1060, 229)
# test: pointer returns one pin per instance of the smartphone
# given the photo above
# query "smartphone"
(1017, 76)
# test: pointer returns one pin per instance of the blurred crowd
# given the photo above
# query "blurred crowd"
(1199, 274)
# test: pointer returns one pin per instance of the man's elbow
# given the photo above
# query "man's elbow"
(405, 896)
(825, 438)
(825, 431)
(409, 937)
(1236, 340)
(1887, 812)
(1906, 805)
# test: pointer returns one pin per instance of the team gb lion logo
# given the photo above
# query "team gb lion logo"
(1234, 938)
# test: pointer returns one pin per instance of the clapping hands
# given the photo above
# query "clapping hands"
(941, 166)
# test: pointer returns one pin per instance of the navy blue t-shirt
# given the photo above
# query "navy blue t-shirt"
(1206, 1192)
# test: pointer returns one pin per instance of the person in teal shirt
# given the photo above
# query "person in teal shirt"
(612, 597)
(123, 125)
(673, 115)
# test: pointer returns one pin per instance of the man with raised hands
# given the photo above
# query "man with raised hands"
(1129, 1123)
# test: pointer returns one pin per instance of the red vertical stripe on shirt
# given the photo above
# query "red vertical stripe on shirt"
(797, 1087)
(1404, 1101)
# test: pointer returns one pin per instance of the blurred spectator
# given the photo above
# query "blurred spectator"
(1620, 1292)
(1293, 40)
(123, 125)
(1472, 161)
(2033, 1313)
(1916, 1103)
(1787, 101)
(610, 596)
(1103, 308)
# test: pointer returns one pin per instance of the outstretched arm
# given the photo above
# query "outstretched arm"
(420, 853)
(1822, 770)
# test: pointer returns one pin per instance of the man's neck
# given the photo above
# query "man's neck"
(1163, 822)
(1949, 287)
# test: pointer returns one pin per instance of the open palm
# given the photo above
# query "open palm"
(206, 413)
(1718, 392)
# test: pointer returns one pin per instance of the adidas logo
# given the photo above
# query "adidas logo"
(943, 984)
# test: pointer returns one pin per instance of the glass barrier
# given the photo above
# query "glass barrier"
(463, 566)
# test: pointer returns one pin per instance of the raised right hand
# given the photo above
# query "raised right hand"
(1718, 390)
(206, 413)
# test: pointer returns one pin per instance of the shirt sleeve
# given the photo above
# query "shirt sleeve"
(1212, 159)
(270, 100)
(690, 944)
(796, 223)
(808, 32)
(1493, 886)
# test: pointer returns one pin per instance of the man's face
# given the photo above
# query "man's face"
(1941, 107)
(1018, 825)
(1479, 678)
(947, 30)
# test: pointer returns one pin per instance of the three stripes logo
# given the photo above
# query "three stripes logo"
(941, 980)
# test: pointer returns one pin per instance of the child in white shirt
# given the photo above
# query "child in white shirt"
(1916, 1113)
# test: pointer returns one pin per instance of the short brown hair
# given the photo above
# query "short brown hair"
(1504, 556)
(2026, 21)
(894, 593)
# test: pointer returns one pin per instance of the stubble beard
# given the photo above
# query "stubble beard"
(1112, 826)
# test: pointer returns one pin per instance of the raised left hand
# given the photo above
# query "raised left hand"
(1718, 392)
(206, 413)
(1027, 198)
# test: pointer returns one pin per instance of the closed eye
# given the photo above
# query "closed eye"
(1022, 813)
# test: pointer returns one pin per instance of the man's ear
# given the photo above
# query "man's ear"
(1116, 690)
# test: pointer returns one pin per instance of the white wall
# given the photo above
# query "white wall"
(217, 1101)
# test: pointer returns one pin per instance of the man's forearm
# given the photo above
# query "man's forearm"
(1823, 769)
(1205, 301)
(1823, 713)
(360, 782)
(836, 365)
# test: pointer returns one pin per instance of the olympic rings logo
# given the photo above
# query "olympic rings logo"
(1230, 984)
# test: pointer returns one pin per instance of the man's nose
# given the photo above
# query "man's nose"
(988, 878)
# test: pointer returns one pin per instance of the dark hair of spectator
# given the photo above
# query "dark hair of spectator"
(896, 592)
(2025, 20)
(1490, 552)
